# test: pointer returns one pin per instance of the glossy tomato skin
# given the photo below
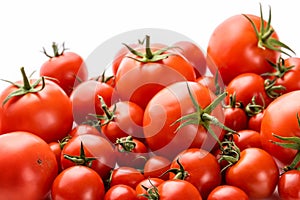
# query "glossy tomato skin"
(247, 138)
(84, 129)
(78, 182)
(120, 192)
(68, 70)
(235, 118)
(94, 147)
(85, 100)
(289, 185)
(280, 118)
(139, 82)
(225, 192)
(56, 149)
(48, 112)
(177, 190)
(240, 53)
(156, 166)
(256, 173)
(166, 107)
(202, 167)
(28, 166)
(126, 175)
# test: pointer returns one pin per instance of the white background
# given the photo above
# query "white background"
(27, 26)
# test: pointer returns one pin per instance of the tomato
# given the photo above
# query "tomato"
(131, 152)
(48, 112)
(293, 61)
(141, 76)
(161, 125)
(82, 129)
(156, 166)
(120, 192)
(177, 190)
(245, 50)
(247, 138)
(194, 54)
(255, 172)
(66, 68)
(280, 118)
(89, 150)
(56, 148)
(125, 175)
(225, 192)
(147, 183)
(28, 166)
(289, 185)
(122, 119)
(85, 100)
(213, 83)
(201, 168)
(78, 182)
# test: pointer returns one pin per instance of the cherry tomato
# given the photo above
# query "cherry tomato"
(37, 106)
(120, 192)
(247, 138)
(289, 185)
(225, 192)
(66, 68)
(147, 183)
(56, 148)
(156, 166)
(78, 182)
(84, 129)
(126, 175)
(255, 172)
(28, 166)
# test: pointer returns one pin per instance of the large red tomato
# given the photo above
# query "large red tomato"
(165, 135)
(66, 68)
(37, 106)
(28, 166)
(236, 47)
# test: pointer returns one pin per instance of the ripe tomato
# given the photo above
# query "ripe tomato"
(289, 185)
(37, 106)
(201, 168)
(66, 68)
(125, 175)
(56, 148)
(28, 166)
(245, 50)
(280, 118)
(89, 150)
(78, 182)
(247, 138)
(120, 192)
(85, 99)
(255, 172)
(84, 129)
(225, 192)
(141, 76)
(161, 131)
(147, 183)
(155, 167)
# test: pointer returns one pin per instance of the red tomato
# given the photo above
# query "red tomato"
(289, 185)
(147, 183)
(139, 78)
(177, 190)
(245, 49)
(280, 118)
(201, 168)
(293, 61)
(66, 68)
(28, 166)
(131, 152)
(170, 104)
(84, 129)
(225, 192)
(97, 153)
(156, 166)
(78, 182)
(56, 149)
(85, 99)
(216, 86)
(125, 175)
(194, 54)
(122, 119)
(42, 108)
(256, 173)
(247, 138)
(120, 192)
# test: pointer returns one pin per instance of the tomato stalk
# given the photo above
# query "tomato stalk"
(55, 50)
(253, 108)
(279, 67)
(272, 90)
(264, 35)
(109, 115)
(180, 173)
(127, 144)
(25, 88)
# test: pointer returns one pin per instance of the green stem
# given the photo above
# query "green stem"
(26, 82)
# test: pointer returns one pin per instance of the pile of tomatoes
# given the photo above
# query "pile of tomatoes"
(168, 122)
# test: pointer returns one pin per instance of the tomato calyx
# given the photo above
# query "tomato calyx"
(26, 87)
(273, 91)
(126, 143)
(180, 173)
(279, 69)
(149, 56)
(264, 35)
(56, 52)
(253, 108)
(151, 193)
(233, 103)
(203, 117)
(108, 115)
(81, 159)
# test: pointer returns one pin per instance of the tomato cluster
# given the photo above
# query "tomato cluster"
(169, 122)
